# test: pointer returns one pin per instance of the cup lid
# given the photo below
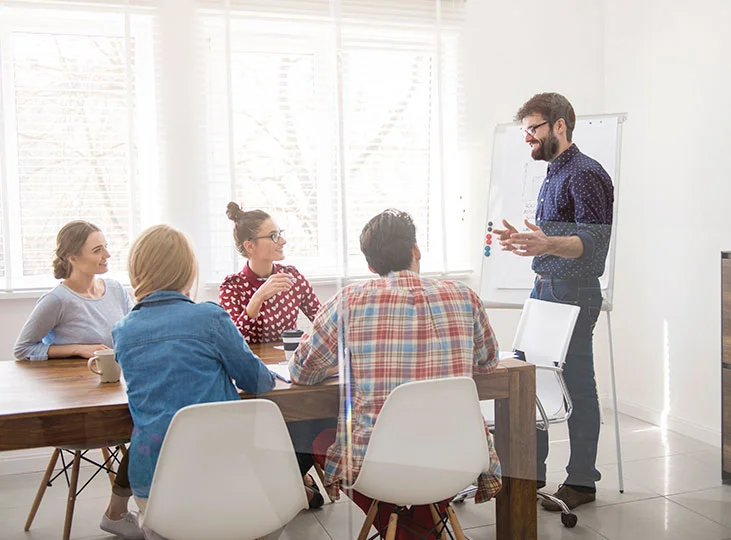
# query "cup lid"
(292, 333)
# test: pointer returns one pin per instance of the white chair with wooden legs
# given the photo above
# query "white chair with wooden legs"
(110, 455)
(226, 471)
(428, 443)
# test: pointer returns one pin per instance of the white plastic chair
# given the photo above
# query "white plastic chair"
(543, 336)
(421, 451)
(226, 471)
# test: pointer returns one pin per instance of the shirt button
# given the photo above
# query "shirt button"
(542, 200)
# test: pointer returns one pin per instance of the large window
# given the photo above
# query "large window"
(326, 123)
(70, 89)
(321, 112)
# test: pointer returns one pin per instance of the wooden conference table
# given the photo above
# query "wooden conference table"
(59, 402)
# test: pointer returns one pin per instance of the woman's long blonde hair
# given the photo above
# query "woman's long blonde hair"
(162, 259)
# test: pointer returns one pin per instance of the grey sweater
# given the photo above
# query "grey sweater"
(62, 317)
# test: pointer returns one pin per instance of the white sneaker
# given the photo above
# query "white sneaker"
(126, 527)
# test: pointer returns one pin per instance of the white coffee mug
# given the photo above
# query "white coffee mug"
(106, 366)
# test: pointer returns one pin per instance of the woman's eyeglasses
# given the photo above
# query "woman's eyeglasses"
(275, 236)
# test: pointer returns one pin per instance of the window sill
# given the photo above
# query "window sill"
(21, 294)
(458, 275)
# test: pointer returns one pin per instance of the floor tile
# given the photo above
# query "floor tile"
(710, 457)
(715, 504)
(342, 519)
(472, 515)
(671, 474)
(658, 519)
(303, 527)
(549, 528)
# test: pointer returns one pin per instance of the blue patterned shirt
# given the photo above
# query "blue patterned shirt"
(575, 199)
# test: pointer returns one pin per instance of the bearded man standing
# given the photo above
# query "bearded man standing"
(569, 243)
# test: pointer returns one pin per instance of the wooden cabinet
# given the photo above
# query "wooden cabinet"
(726, 364)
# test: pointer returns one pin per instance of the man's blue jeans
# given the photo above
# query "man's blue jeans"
(578, 373)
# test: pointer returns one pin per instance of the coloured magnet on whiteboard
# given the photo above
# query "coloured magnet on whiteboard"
(487, 251)
(488, 241)
(489, 223)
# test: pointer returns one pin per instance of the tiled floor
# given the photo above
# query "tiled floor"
(672, 491)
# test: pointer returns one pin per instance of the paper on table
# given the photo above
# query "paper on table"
(281, 371)
(502, 355)
(279, 347)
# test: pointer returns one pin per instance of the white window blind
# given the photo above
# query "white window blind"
(321, 112)
(71, 87)
(329, 112)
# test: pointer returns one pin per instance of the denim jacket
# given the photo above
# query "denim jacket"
(175, 353)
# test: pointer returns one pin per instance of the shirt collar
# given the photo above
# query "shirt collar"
(252, 278)
(408, 277)
(162, 296)
(563, 158)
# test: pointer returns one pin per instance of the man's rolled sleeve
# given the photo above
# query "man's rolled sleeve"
(593, 213)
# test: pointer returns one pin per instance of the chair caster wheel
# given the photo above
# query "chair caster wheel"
(569, 520)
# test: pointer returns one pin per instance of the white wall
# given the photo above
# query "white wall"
(514, 50)
(666, 66)
(663, 63)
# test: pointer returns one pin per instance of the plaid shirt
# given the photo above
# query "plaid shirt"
(399, 328)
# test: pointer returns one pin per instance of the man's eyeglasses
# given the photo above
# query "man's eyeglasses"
(532, 129)
(275, 236)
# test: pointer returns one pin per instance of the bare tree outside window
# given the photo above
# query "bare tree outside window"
(72, 137)
(275, 141)
(388, 132)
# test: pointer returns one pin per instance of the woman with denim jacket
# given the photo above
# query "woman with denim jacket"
(173, 351)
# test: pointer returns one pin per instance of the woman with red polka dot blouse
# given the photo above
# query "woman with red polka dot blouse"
(264, 299)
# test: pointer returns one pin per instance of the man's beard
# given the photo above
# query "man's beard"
(548, 148)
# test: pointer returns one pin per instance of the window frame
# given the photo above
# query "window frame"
(141, 159)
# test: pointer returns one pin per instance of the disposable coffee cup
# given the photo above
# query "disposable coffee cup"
(291, 340)
(105, 364)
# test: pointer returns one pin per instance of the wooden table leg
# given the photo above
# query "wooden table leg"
(515, 442)
(42, 489)
(71, 501)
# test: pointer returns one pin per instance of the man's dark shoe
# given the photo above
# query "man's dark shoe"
(540, 484)
(570, 496)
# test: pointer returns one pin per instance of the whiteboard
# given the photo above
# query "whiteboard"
(516, 178)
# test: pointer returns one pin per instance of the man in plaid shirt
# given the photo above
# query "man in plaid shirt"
(399, 328)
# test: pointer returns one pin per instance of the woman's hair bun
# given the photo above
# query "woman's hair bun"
(233, 211)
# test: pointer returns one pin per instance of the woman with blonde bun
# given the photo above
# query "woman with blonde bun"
(173, 351)
(265, 298)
